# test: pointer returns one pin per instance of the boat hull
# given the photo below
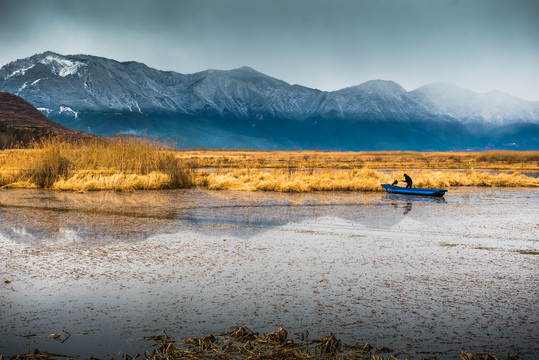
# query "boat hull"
(413, 191)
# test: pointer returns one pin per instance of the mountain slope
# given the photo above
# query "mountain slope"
(88, 83)
(18, 113)
(21, 122)
(245, 108)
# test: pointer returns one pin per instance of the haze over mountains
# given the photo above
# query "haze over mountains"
(243, 108)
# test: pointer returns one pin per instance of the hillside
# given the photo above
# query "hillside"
(21, 122)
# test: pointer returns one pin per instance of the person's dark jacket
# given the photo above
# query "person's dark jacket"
(408, 181)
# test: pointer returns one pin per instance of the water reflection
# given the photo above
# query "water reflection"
(407, 208)
(403, 272)
(31, 216)
(407, 201)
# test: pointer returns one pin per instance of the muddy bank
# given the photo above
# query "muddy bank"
(243, 343)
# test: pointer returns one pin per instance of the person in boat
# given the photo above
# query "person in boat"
(408, 181)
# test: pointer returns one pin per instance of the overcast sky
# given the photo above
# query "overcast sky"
(482, 45)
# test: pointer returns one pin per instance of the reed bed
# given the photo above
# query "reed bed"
(399, 160)
(120, 163)
(133, 163)
(350, 180)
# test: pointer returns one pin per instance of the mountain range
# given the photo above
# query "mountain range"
(243, 108)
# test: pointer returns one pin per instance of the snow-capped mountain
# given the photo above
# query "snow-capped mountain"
(245, 108)
(377, 100)
(493, 108)
(80, 83)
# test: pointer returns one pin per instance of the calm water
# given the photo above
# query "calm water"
(412, 274)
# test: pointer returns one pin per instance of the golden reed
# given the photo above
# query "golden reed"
(351, 180)
(119, 163)
(133, 163)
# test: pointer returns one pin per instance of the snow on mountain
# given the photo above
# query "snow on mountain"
(88, 83)
(493, 108)
(62, 66)
(376, 100)
(245, 92)
(82, 83)
(21, 71)
(67, 109)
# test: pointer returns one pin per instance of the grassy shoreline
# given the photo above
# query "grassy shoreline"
(351, 180)
(128, 164)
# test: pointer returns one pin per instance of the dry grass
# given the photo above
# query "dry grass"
(127, 163)
(242, 343)
(86, 180)
(396, 160)
(350, 180)
(121, 163)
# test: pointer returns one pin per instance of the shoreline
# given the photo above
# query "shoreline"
(243, 343)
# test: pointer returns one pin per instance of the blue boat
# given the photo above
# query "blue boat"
(392, 189)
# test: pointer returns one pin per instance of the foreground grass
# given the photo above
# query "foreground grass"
(242, 343)
(127, 163)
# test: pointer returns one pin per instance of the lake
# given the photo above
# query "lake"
(409, 273)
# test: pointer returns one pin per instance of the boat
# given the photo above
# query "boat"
(392, 189)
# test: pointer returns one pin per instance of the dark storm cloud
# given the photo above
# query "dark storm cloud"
(480, 44)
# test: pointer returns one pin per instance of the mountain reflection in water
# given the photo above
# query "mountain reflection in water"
(31, 216)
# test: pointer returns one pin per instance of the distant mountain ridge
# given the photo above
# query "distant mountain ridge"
(245, 108)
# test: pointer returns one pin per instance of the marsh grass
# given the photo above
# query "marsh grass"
(509, 157)
(47, 167)
(398, 160)
(119, 163)
(350, 180)
(140, 163)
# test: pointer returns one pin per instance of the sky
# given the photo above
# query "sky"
(482, 45)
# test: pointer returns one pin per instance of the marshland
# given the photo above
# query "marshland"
(133, 163)
(321, 251)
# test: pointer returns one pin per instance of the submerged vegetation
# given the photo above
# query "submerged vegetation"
(243, 343)
(134, 163)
